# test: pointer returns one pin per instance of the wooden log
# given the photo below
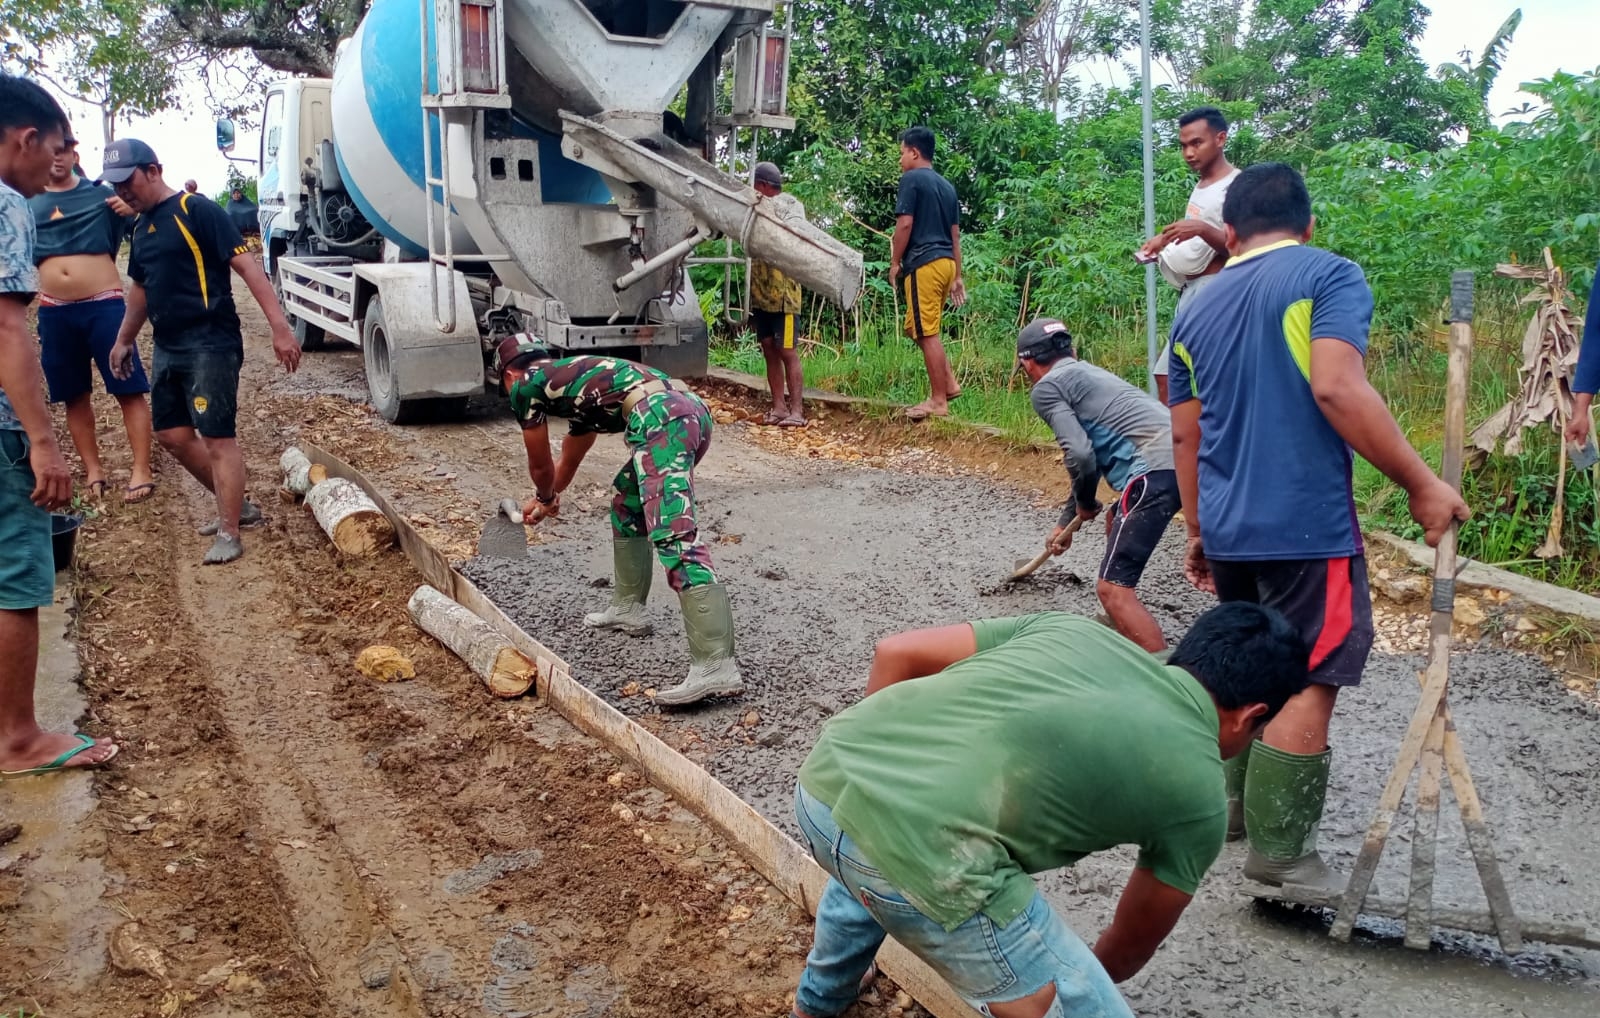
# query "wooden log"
(318, 473)
(296, 471)
(501, 666)
(350, 519)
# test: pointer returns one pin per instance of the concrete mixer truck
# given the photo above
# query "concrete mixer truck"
(478, 168)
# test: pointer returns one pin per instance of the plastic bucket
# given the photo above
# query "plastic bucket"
(64, 537)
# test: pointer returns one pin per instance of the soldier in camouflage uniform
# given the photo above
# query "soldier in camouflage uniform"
(667, 430)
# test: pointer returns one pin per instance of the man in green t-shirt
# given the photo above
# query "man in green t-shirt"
(1024, 745)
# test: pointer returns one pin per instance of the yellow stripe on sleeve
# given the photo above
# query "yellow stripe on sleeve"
(1297, 334)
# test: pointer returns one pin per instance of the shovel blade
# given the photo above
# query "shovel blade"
(1582, 457)
(501, 538)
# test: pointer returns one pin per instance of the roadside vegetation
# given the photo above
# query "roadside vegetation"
(1410, 178)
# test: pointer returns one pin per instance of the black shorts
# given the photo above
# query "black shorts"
(1138, 520)
(196, 388)
(776, 327)
(1326, 599)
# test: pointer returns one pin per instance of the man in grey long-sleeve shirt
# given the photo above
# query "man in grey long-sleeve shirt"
(1106, 428)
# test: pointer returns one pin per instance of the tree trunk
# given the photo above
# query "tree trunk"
(296, 471)
(349, 518)
(501, 667)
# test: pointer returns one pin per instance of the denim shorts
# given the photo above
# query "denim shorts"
(80, 334)
(981, 960)
(27, 565)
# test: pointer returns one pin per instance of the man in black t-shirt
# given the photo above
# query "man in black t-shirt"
(926, 254)
(184, 247)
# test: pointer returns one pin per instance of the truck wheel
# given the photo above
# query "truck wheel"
(384, 387)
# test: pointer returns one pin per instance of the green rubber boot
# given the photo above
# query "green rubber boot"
(708, 622)
(633, 563)
(1283, 798)
(1233, 772)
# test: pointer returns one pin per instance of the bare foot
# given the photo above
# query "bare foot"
(47, 748)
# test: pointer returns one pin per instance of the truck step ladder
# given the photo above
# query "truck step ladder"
(463, 74)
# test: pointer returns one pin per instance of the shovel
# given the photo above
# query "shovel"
(503, 535)
(1026, 567)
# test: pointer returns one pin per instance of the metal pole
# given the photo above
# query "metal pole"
(1151, 349)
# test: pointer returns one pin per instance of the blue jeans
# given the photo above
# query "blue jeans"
(982, 961)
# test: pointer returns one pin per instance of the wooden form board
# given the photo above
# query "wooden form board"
(773, 854)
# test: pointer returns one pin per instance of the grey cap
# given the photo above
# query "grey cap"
(768, 173)
(1042, 337)
(125, 155)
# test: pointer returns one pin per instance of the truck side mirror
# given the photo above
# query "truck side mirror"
(226, 132)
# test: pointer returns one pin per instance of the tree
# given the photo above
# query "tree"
(297, 36)
(1482, 72)
(113, 54)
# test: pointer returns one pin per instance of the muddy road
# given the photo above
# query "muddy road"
(283, 836)
(298, 840)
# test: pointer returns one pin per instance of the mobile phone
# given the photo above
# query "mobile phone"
(1144, 259)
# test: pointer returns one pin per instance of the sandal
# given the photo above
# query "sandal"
(133, 494)
(922, 411)
(64, 761)
(792, 421)
(775, 417)
(97, 489)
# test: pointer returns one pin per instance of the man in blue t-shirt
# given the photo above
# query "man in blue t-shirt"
(1269, 397)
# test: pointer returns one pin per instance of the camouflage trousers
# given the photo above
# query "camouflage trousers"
(667, 434)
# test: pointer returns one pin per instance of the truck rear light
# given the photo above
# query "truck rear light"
(478, 70)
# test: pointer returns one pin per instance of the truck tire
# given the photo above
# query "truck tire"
(383, 386)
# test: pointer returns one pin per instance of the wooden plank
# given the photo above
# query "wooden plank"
(1410, 752)
(1481, 842)
(775, 855)
(1463, 919)
(1419, 904)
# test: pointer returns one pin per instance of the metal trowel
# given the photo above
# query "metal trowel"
(1025, 567)
(503, 535)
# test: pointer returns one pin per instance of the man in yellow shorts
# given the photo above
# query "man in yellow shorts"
(774, 301)
(925, 264)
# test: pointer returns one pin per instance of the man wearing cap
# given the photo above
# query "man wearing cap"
(774, 301)
(1106, 428)
(668, 431)
(184, 247)
(81, 226)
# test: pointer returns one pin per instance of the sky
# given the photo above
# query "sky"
(1555, 34)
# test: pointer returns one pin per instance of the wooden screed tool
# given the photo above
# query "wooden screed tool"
(1432, 744)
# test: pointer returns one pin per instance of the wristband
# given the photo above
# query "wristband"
(544, 501)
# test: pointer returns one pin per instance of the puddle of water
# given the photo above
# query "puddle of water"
(61, 903)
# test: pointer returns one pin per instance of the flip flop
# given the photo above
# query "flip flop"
(922, 412)
(60, 763)
(133, 494)
(97, 489)
(792, 421)
(953, 396)
(773, 417)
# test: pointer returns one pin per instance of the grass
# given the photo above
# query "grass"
(1511, 496)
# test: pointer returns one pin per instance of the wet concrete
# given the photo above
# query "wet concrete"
(57, 853)
(822, 560)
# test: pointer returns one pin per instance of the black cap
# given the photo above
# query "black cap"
(1042, 337)
(768, 173)
(125, 155)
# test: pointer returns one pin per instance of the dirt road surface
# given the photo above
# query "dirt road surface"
(281, 836)
(288, 834)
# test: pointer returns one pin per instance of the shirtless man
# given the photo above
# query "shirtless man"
(80, 229)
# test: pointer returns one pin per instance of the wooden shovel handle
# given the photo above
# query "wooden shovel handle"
(1049, 551)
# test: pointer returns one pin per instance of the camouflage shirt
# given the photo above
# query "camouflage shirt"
(770, 289)
(586, 391)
